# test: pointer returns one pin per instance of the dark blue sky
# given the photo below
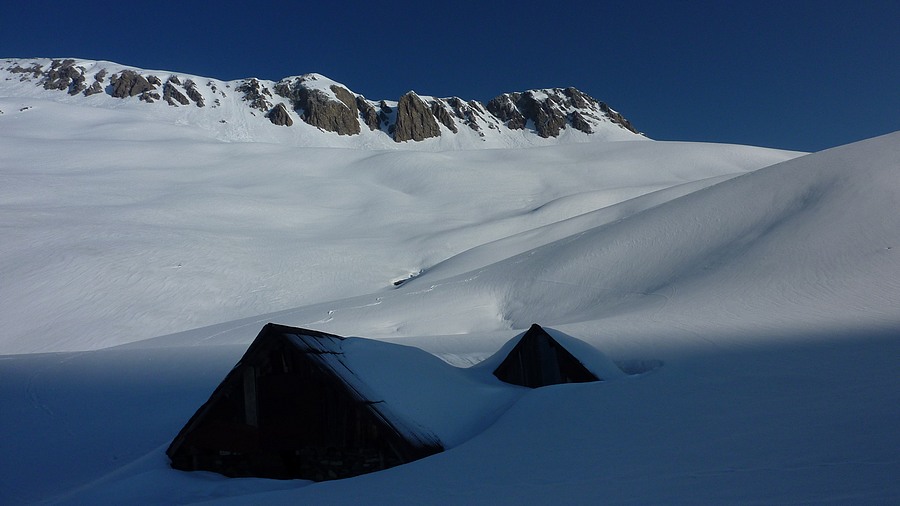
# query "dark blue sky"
(802, 75)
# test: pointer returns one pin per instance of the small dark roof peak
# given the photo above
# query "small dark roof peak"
(539, 360)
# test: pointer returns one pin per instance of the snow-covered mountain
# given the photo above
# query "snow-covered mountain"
(754, 291)
(313, 110)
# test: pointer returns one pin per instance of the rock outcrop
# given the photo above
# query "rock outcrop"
(551, 111)
(584, 101)
(149, 96)
(504, 107)
(344, 95)
(519, 108)
(546, 114)
(617, 118)
(581, 123)
(280, 116)
(369, 114)
(320, 110)
(439, 112)
(415, 120)
(384, 114)
(330, 115)
(65, 76)
(193, 93)
(255, 93)
(171, 94)
(467, 112)
(97, 86)
(129, 83)
(35, 70)
(93, 89)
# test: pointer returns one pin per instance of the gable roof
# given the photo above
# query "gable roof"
(537, 359)
(292, 408)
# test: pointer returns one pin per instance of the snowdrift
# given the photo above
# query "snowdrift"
(803, 245)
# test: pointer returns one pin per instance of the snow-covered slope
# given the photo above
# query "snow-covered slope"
(118, 228)
(807, 245)
(754, 291)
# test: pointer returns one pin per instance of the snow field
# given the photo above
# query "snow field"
(120, 239)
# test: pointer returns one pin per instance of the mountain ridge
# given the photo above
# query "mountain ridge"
(533, 117)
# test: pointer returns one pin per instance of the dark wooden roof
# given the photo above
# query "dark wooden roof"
(310, 405)
(292, 408)
(538, 360)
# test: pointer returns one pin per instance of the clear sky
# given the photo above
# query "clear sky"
(793, 74)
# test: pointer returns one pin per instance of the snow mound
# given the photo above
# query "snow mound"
(811, 239)
(449, 401)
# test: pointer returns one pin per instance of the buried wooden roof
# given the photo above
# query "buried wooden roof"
(539, 360)
(306, 404)
(291, 408)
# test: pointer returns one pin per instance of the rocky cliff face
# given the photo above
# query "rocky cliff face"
(331, 106)
(369, 115)
(332, 109)
(171, 93)
(415, 120)
(129, 83)
(279, 116)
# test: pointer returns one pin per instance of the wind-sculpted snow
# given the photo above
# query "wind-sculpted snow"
(810, 240)
(805, 244)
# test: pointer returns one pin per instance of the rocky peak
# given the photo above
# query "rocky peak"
(545, 111)
(415, 121)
